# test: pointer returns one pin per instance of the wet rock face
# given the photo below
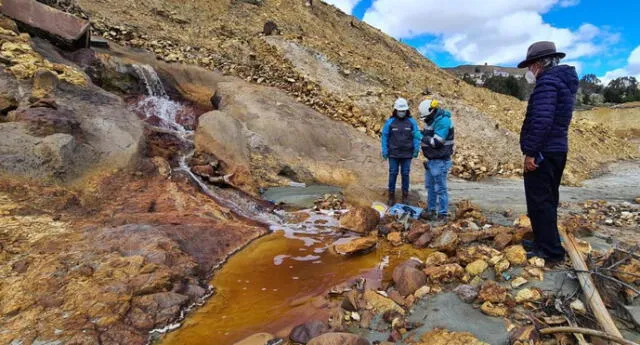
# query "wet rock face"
(303, 333)
(47, 121)
(166, 145)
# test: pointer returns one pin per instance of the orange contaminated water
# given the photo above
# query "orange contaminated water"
(279, 281)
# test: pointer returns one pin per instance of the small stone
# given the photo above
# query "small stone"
(637, 200)
(446, 273)
(436, 258)
(338, 338)
(395, 238)
(421, 292)
(439, 336)
(355, 316)
(356, 246)
(477, 267)
(523, 222)
(380, 303)
(259, 338)
(524, 336)
(535, 272)
(304, 332)
(502, 266)
(536, 262)
(408, 279)
(518, 282)
(516, 255)
(528, 295)
(578, 307)
(446, 242)
(502, 240)
(495, 310)
(492, 292)
(466, 293)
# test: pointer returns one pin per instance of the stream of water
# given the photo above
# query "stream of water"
(279, 280)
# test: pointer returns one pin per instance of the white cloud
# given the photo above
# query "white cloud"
(479, 31)
(577, 64)
(345, 5)
(569, 3)
(631, 69)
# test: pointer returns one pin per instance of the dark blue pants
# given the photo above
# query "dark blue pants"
(543, 197)
(396, 165)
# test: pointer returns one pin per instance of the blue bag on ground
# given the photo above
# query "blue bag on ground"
(401, 209)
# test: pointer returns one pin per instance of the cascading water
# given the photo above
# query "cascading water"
(163, 114)
(151, 80)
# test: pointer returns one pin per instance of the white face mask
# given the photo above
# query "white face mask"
(401, 113)
(530, 77)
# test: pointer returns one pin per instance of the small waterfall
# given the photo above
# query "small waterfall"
(151, 80)
(163, 114)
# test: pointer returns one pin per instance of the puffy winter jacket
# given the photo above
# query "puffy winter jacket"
(400, 138)
(438, 136)
(546, 126)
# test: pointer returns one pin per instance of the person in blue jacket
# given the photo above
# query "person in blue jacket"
(400, 143)
(437, 147)
(544, 143)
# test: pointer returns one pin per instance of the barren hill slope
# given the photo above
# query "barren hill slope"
(338, 65)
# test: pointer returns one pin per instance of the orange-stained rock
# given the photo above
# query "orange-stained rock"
(361, 220)
(492, 292)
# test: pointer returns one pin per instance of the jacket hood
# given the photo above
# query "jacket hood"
(567, 74)
(442, 112)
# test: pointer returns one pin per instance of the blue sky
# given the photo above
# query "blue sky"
(600, 37)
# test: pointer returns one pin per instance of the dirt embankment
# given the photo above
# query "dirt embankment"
(624, 119)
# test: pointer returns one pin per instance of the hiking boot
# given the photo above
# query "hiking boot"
(428, 215)
(405, 198)
(549, 261)
(443, 218)
(529, 245)
(392, 199)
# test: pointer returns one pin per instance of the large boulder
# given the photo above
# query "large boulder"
(80, 129)
(303, 333)
(339, 339)
(261, 132)
(360, 219)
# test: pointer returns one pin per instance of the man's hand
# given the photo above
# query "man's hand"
(415, 154)
(530, 164)
(384, 157)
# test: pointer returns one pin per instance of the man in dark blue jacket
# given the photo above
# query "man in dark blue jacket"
(400, 143)
(544, 143)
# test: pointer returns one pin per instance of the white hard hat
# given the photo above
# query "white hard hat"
(401, 104)
(424, 108)
(427, 107)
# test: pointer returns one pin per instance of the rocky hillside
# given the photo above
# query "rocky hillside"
(336, 64)
(479, 70)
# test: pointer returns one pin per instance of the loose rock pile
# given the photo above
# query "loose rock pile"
(618, 215)
(330, 202)
(482, 263)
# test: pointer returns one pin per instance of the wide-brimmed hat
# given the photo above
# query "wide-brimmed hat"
(540, 50)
